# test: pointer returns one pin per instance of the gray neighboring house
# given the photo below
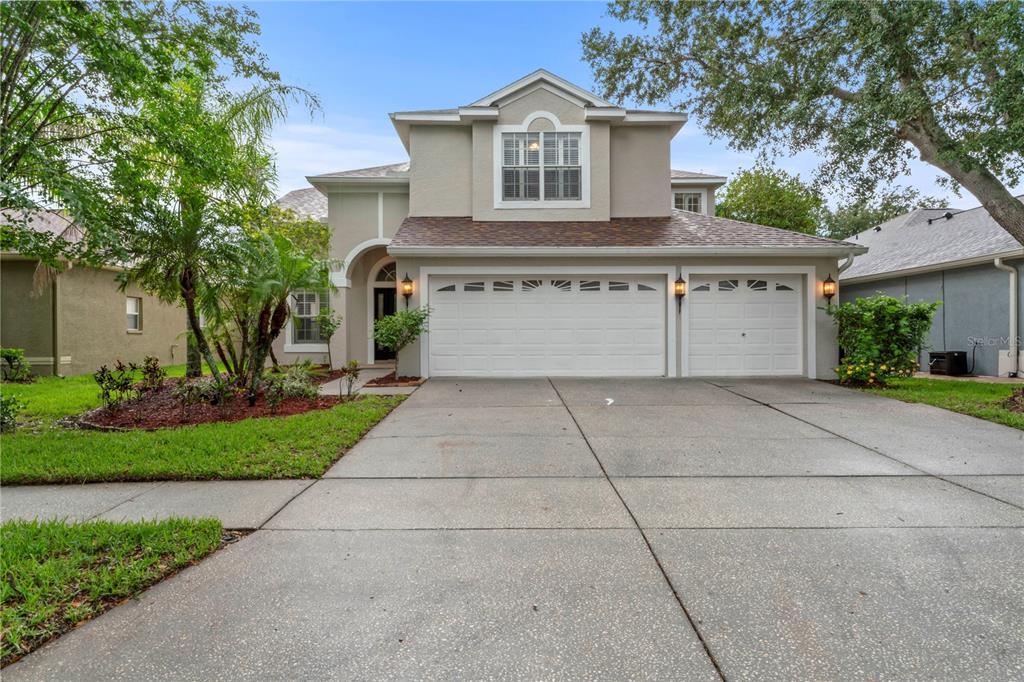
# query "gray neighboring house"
(962, 258)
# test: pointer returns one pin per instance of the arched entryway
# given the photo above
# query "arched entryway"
(383, 295)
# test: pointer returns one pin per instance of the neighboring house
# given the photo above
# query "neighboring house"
(75, 321)
(949, 255)
(545, 230)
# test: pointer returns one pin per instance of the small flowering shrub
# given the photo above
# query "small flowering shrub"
(880, 338)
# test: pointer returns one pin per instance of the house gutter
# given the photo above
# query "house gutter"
(598, 251)
(847, 263)
(1014, 322)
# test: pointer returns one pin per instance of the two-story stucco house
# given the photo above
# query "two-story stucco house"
(546, 231)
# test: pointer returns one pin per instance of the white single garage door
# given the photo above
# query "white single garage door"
(550, 325)
(745, 325)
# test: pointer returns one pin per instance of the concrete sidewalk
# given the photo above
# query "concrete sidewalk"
(592, 529)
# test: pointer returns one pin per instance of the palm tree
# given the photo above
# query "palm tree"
(199, 165)
(277, 270)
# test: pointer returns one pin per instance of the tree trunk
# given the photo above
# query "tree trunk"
(194, 361)
(188, 293)
(938, 149)
(273, 358)
(261, 347)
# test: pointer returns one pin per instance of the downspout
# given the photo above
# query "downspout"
(55, 322)
(1014, 326)
(846, 264)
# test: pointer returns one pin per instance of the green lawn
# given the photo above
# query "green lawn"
(56, 575)
(967, 397)
(298, 446)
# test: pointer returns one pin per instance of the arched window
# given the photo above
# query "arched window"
(386, 273)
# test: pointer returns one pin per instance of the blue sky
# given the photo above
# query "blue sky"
(367, 59)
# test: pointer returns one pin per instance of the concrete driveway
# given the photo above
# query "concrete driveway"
(611, 529)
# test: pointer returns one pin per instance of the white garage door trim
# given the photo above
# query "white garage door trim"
(497, 271)
(810, 293)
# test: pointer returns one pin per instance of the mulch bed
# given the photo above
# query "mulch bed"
(390, 380)
(161, 409)
(1015, 403)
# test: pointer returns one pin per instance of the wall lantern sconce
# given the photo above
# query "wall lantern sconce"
(828, 289)
(407, 289)
(680, 289)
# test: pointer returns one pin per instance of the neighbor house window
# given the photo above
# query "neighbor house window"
(527, 174)
(306, 306)
(689, 201)
(133, 308)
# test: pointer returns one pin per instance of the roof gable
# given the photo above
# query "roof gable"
(543, 78)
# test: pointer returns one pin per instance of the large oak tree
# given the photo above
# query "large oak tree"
(863, 84)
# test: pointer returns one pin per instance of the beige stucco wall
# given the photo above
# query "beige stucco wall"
(640, 168)
(93, 329)
(826, 353)
(26, 313)
(440, 171)
(361, 220)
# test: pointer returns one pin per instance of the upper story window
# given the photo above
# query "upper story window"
(546, 168)
(689, 201)
(527, 174)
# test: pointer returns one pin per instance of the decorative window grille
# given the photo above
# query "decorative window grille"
(705, 286)
(531, 284)
(473, 286)
(644, 287)
(590, 285)
(450, 287)
(728, 284)
(506, 285)
(562, 284)
(783, 287)
(618, 286)
(757, 285)
(306, 306)
(524, 166)
(386, 273)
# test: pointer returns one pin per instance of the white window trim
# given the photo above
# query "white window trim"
(811, 288)
(424, 273)
(703, 192)
(138, 314)
(291, 347)
(584, 130)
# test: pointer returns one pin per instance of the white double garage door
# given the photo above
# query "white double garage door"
(618, 325)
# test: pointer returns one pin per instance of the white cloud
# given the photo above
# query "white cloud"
(309, 149)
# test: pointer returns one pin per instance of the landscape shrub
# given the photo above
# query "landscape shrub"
(153, 374)
(10, 406)
(295, 382)
(880, 337)
(398, 330)
(117, 385)
(13, 365)
(351, 376)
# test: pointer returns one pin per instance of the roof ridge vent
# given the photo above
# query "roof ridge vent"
(948, 215)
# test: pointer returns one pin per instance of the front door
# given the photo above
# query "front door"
(384, 303)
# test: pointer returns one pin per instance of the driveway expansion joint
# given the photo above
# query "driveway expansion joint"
(664, 574)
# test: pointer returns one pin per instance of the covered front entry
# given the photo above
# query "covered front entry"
(745, 325)
(540, 325)
(384, 303)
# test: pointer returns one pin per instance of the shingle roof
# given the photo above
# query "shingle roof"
(308, 202)
(909, 241)
(396, 170)
(51, 222)
(691, 175)
(681, 229)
